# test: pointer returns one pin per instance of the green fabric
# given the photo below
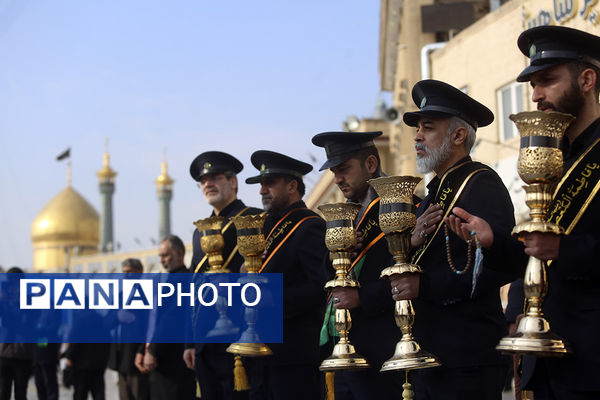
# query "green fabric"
(328, 325)
(328, 328)
(359, 266)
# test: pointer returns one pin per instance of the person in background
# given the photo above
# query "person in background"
(133, 383)
(169, 377)
(16, 359)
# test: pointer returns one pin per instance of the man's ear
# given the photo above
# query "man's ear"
(235, 182)
(371, 164)
(587, 80)
(292, 186)
(458, 136)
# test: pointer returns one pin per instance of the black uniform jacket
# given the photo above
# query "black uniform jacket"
(88, 356)
(121, 357)
(301, 261)
(572, 305)
(463, 330)
(374, 332)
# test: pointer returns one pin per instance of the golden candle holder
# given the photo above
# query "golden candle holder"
(340, 238)
(251, 245)
(212, 244)
(540, 165)
(397, 219)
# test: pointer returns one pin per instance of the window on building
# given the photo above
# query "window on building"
(510, 101)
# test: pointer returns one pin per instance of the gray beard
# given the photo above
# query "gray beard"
(435, 157)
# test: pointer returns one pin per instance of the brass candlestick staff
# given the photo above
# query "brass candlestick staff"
(212, 244)
(340, 238)
(540, 165)
(397, 219)
(251, 245)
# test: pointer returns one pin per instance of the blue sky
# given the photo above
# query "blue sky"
(191, 75)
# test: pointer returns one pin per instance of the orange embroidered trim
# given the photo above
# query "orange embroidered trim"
(286, 238)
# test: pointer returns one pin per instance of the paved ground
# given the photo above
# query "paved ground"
(110, 380)
(112, 392)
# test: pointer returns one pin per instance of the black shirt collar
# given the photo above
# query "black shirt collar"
(435, 182)
(230, 208)
(298, 204)
(272, 219)
(182, 268)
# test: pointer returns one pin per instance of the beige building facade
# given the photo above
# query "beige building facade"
(472, 46)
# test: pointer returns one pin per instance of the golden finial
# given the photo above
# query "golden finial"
(164, 181)
(106, 173)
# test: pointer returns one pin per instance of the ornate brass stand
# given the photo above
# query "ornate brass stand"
(340, 238)
(540, 166)
(212, 244)
(251, 245)
(397, 219)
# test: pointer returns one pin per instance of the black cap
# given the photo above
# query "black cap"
(439, 100)
(270, 163)
(214, 162)
(547, 46)
(340, 146)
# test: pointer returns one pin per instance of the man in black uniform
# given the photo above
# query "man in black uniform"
(169, 377)
(459, 316)
(565, 76)
(295, 247)
(353, 159)
(215, 173)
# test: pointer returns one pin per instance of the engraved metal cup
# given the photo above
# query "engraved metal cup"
(212, 242)
(397, 219)
(540, 165)
(340, 238)
(251, 245)
(250, 239)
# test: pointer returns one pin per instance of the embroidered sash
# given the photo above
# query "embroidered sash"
(283, 229)
(451, 186)
(369, 227)
(576, 189)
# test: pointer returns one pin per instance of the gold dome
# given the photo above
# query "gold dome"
(67, 223)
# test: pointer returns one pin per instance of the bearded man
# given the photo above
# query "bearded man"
(459, 316)
(564, 73)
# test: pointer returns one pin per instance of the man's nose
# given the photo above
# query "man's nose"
(337, 178)
(537, 94)
(418, 136)
(263, 189)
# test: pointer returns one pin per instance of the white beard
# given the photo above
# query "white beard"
(434, 158)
